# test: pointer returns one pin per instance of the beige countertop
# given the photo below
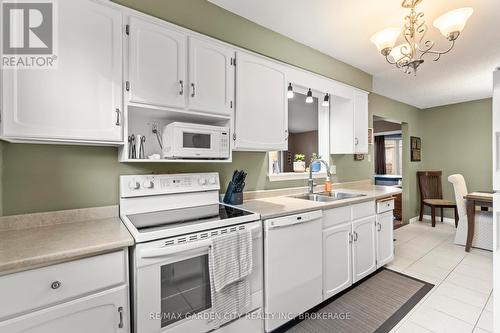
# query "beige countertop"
(25, 246)
(271, 207)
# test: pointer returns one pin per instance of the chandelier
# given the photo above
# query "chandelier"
(409, 55)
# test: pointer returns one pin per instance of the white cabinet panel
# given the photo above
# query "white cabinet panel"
(157, 65)
(385, 238)
(211, 77)
(28, 290)
(81, 99)
(342, 124)
(349, 123)
(361, 123)
(105, 312)
(261, 105)
(363, 248)
(337, 271)
(496, 129)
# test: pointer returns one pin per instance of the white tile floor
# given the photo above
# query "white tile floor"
(461, 300)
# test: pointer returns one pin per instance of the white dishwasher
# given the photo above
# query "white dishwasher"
(292, 266)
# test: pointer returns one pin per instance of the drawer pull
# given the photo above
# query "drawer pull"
(120, 311)
(55, 285)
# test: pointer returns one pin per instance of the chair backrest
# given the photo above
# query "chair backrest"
(429, 183)
(460, 188)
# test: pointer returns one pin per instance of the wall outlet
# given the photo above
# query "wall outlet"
(333, 169)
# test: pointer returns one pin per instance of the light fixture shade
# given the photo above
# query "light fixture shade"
(397, 52)
(385, 39)
(326, 101)
(453, 21)
(289, 93)
(309, 98)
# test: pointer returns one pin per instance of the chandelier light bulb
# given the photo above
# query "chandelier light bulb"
(453, 22)
(386, 39)
(397, 52)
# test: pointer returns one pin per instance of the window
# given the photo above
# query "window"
(393, 155)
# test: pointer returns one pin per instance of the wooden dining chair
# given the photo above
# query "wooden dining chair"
(431, 194)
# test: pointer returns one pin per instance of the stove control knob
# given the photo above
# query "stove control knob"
(202, 181)
(134, 185)
(211, 181)
(148, 184)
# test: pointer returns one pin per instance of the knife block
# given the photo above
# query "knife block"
(231, 197)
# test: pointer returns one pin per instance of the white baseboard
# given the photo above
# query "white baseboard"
(447, 220)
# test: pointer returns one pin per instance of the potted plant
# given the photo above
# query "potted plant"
(299, 164)
(315, 163)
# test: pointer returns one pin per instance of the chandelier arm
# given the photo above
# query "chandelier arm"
(391, 62)
(437, 53)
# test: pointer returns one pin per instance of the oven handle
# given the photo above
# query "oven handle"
(175, 249)
(167, 251)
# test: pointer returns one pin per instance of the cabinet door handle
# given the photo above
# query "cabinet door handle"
(286, 135)
(120, 312)
(379, 227)
(350, 237)
(118, 118)
(356, 141)
(193, 91)
(55, 285)
(355, 236)
(181, 87)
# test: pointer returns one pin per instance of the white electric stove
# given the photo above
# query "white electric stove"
(172, 219)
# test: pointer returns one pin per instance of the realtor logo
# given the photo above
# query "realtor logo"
(28, 39)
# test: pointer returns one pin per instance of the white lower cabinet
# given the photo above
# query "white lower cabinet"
(104, 312)
(80, 296)
(385, 238)
(337, 272)
(364, 256)
(356, 242)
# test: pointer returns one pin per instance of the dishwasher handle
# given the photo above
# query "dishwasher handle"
(293, 220)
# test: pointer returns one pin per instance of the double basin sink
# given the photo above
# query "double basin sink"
(328, 196)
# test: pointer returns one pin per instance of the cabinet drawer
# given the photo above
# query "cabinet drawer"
(385, 205)
(336, 216)
(362, 210)
(25, 291)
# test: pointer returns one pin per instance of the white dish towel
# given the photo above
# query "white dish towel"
(230, 264)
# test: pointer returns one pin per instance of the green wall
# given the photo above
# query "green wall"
(47, 177)
(51, 177)
(457, 139)
(211, 20)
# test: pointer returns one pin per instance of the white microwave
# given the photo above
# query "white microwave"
(195, 141)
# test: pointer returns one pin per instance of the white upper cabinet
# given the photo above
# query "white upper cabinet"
(211, 77)
(80, 100)
(261, 119)
(349, 122)
(360, 123)
(157, 65)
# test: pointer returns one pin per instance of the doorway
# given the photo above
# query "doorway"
(388, 159)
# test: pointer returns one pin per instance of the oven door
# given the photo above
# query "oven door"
(172, 284)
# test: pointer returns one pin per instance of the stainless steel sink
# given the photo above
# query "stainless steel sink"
(315, 197)
(341, 195)
(328, 196)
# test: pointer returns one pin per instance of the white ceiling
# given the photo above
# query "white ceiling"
(342, 29)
